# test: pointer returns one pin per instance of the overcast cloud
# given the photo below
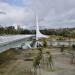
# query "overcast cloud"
(51, 13)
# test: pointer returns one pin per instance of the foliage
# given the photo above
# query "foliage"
(66, 32)
(12, 30)
(45, 43)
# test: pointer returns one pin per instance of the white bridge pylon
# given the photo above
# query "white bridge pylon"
(35, 43)
(38, 33)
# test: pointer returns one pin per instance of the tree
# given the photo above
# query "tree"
(2, 30)
(10, 30)
(25, 32)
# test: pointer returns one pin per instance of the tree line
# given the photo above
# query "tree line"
(12, 30)
(66, 32)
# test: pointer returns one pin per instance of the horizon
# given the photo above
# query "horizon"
(34, 28)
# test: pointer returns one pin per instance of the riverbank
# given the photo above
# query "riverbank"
(20, 62)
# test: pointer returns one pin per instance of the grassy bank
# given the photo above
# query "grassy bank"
(8, 55)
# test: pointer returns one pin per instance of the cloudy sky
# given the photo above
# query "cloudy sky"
(51, 13)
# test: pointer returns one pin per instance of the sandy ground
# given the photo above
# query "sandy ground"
(20, 66)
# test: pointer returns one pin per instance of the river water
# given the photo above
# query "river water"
(9, 41)
(12, 41)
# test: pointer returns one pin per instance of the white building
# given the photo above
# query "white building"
(19, 26)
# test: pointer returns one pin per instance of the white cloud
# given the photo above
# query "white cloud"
(52, 13)
(14, 15)
(55, 13)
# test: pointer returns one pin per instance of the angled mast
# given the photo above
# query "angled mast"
(37, 27)
(38, 33)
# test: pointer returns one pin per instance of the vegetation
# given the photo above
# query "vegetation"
(36, 62)
(8, 55)
(44, 43)
(62, 49)
(12, 30)
(66, 32)
(72, 52)
(50, 61)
